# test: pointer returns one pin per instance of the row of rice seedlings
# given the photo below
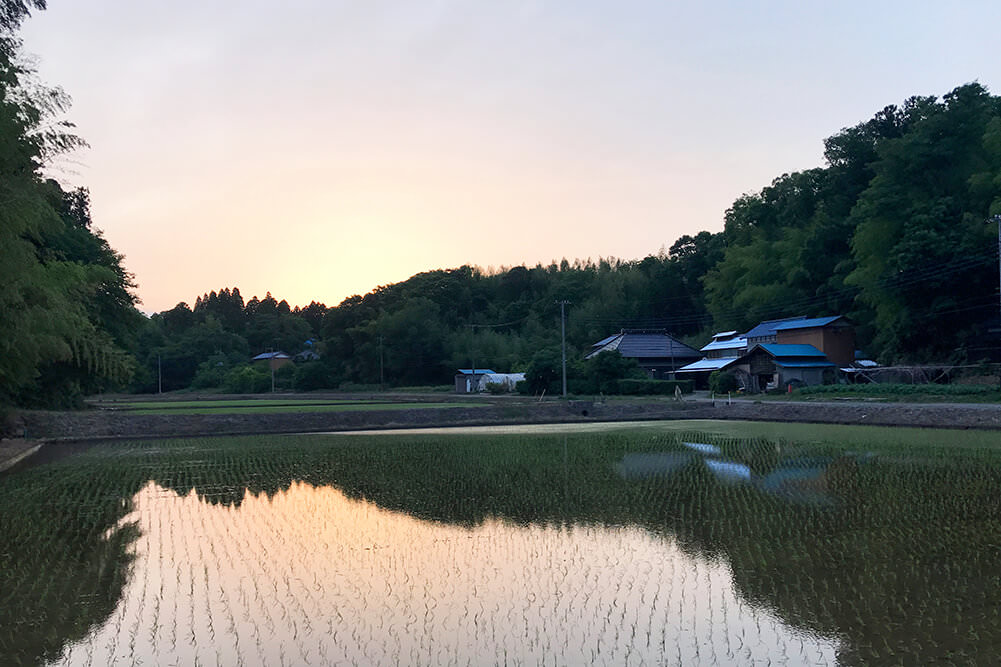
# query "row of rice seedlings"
(894, 514)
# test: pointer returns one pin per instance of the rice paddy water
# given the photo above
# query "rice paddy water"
(650, 545)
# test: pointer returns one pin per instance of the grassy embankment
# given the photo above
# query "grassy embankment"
(897, 393)
(268, 406)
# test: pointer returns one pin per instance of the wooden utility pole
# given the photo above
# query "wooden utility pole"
(563, 342)
(997, 220)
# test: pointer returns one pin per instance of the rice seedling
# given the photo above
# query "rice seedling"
(629, 546)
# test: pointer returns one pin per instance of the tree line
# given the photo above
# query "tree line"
(890, 232)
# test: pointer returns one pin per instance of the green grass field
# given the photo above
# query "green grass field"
(294, 407)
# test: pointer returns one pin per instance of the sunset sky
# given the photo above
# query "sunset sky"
(318, 149)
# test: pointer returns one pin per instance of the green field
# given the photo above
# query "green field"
(251, 406)
(858, 545)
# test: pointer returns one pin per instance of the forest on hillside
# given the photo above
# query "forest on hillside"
(892, 231)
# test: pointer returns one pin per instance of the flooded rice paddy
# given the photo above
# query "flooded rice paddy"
(652, 545)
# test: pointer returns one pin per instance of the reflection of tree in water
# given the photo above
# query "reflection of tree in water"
(64, 559)
(903, 562)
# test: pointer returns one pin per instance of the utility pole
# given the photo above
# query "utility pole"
(997, 220)
(473, 384)
(381, 372)
(159, 375)
(563, 342)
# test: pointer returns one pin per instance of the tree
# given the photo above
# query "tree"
(58, 280)
(924, 258)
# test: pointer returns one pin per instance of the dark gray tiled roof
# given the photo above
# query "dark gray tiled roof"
(648, 346)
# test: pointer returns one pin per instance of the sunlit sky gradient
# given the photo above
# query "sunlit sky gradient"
(318, 149)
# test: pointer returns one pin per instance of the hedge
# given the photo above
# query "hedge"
(649, 387)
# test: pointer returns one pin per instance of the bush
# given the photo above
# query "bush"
(248, 379)
(633, 387)
(210, 374)
(723, 382)
(496, 388)
(310, 376)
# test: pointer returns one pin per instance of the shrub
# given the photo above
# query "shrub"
(248, 379)
(496, 388)
(722, 382)
(311, 375)
(654, 387)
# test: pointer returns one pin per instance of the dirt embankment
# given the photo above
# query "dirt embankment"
(97, 424)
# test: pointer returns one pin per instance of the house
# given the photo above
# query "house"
(765, 332)
(778, 365)
(309, 352)
(274, 360)
(724, 349)
(656, 352)
(833, 335)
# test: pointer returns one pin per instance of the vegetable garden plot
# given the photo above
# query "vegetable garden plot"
(615, 548)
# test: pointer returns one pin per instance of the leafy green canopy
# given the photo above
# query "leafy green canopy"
(891, 232)
(67, 315)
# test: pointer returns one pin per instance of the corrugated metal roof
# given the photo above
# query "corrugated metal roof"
(479, 371)
(732, 344)
(707, 365)
(808, 323)
(606, 341)
(721, 334)
(786, 350)
(767, 328)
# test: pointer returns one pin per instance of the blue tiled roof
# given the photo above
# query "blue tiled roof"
(479, 371)
(646, 346)
(767, 328)
(807, 323)
(785, 350)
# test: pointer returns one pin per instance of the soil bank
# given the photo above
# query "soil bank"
(103, 425)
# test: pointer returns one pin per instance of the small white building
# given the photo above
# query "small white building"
(471, 381)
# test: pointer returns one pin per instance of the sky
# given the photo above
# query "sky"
(317, 149)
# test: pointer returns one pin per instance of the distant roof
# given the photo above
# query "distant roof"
(724, 334)
(479, 371)
(707, 365)
(606, 341)
(271, 355)
(785, 350)
(645, 345)
(731, 344)
(808, 323)
(767, 328)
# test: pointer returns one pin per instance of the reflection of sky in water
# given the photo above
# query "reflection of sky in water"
(311, 576)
